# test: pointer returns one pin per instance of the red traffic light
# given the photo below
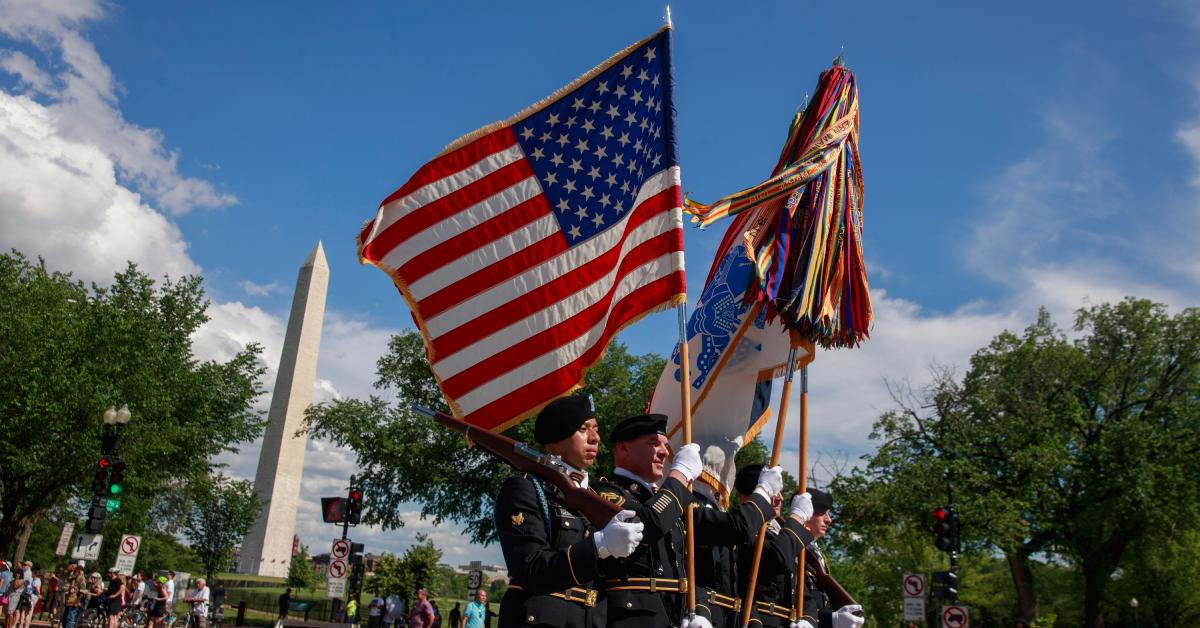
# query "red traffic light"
(940, 515)
(104, 463)
(356, 495)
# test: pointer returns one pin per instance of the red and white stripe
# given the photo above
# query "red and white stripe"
(512, 316)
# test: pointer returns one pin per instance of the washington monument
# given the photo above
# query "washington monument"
(267, 549)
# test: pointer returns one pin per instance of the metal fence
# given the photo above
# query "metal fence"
(315, 608)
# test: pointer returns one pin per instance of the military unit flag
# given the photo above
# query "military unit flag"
(525, 246)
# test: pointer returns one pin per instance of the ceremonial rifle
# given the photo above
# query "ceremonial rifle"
(525, 458)
(838, 596)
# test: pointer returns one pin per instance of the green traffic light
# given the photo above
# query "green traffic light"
(111, 505)
(115, 489)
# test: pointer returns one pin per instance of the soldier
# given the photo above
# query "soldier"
(818, 610)
(553, 553)
(717, 593)
(775, 586)
(647, 589)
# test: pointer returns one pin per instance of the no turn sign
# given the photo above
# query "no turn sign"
(127, 551)
(955, 617)
(337, 569)
(340, 550)
(914, 585)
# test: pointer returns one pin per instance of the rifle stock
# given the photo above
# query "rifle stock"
(524, 458)
(838, 596)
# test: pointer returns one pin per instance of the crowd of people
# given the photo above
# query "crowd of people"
(394, 612)
(66, 595)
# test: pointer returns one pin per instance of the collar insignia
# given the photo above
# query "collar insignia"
(518, 519)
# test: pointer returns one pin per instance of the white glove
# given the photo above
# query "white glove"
(848, 616)
(620, 537)
(687, 461)
(802, 507)
(801, 623)
(696, 621)
(770, 482)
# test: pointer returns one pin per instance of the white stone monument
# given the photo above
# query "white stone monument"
(267, 549)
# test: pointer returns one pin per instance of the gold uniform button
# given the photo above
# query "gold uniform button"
(629, 605)
(531, 619)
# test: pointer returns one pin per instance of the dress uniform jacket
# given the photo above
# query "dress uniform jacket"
(644, 588)
(551, 556)
(775, 590)
(718, 535)
(818, 609)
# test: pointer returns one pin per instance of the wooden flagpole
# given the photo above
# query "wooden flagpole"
(685, 395)
(776, 448)
(798, 607)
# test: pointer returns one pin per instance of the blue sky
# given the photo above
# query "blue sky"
(1018, 156)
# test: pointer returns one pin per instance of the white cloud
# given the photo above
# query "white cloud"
(79, 184)
(261, 290)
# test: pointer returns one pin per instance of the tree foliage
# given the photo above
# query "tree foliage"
(67, 352)
(402, 576)
(1072, 449)
(404, 457)
(301, 574)
(221, 511)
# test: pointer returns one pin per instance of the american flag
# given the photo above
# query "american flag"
(527, 245)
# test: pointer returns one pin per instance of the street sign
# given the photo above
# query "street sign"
(87, 546)
(335, 588)
(955, 617)
(914, 585)
(340, 550)
(914, 609)
(474, 579)
(127, 553)
(337, 569)
(64, 539)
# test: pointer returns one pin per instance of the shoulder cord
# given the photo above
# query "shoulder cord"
(541, 494)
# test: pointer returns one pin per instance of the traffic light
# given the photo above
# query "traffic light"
(356, 554)
(95, 516)
(945, 526)
(100, 479)
(945, 585)
(333, 509)
(354, 506)
(116, 478)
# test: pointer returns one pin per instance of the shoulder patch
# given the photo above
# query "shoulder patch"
(613, 497)
(518, 519)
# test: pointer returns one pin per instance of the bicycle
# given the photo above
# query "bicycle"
(132, 617)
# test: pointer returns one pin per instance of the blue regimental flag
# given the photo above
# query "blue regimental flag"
(735, 356)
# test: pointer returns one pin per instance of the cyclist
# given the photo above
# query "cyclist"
(158, 611)
(199, 600)
(114, 597)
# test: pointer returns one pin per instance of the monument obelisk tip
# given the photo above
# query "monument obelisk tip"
(316, 258)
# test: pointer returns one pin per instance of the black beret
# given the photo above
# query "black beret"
(747, 478)
(562, 417)
(640, 425)
(822, 501)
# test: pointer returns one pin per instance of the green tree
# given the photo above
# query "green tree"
(402, 576)
(67, 352)
(221, 512)
(389, 577)
(1072, 449)
(301, 574)
(404, 457)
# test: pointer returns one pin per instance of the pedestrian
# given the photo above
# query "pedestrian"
(817, 605)
(285, 603)
(352, 610)
(437, 614)
(114, 597)
(199, 600)
(218, 603)
(646, 589)
(775, 584)
(15, 592)
(170, 591)
(74, 587)
(375, 612)
(34, 591)
(53, 601)
(158, 611)
(456, 616)
(389, 611)
(422, 611)
(553, 552)
(476, 611)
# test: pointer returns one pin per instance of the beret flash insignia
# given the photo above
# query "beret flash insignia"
(518, 519)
